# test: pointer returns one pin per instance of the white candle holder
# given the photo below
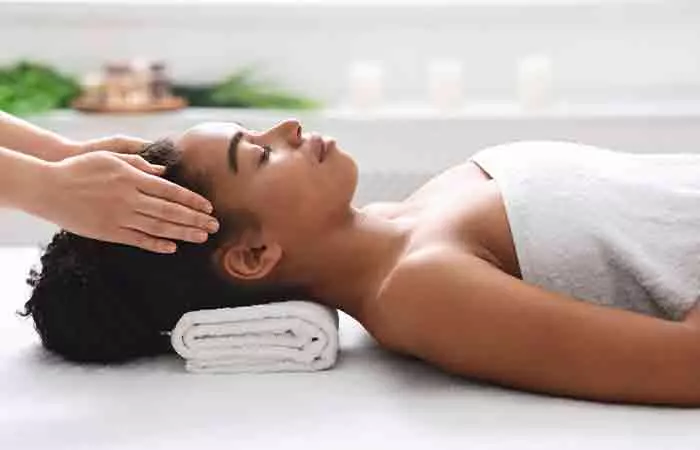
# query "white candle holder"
(535, 81)
(445, 83)
(366, 84)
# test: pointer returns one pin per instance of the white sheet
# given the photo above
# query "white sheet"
(371, 400)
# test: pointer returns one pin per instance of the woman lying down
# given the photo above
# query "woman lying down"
(545, 266)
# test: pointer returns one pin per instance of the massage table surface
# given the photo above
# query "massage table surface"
(372, 399)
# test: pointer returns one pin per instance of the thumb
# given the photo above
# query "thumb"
(141, 164)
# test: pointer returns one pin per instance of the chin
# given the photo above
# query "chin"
(350, 177)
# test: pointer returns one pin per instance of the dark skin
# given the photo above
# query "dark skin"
(432, 274)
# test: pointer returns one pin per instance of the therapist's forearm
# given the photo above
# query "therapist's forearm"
(22, 136)
(22, 180)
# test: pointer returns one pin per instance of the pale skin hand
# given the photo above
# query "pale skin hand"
(120, 198)
(25, 137)
(165, 210)
(140, 209)
(118, 144)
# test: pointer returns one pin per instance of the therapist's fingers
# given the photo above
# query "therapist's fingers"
(158, 187)
(118, 143)
(164, 229)
(174, 213)
(141, 164)
(142, 240)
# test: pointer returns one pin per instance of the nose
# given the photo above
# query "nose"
(291, 130)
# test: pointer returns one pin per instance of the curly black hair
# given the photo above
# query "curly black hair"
(101, 302)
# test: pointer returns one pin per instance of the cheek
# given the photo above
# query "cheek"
(280, 197)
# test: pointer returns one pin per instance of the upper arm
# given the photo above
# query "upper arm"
(462, 314)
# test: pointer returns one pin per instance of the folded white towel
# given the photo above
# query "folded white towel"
(274, 337)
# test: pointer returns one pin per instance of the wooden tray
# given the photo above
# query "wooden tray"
(169, 104)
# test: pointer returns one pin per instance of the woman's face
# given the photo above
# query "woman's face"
(296, 184)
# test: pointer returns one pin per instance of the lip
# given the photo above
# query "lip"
(328, 147)
(323, 152)
(321, 147)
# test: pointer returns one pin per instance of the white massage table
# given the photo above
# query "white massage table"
(370, 400)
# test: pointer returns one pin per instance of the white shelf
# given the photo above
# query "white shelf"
(488, 111)
(410, 111)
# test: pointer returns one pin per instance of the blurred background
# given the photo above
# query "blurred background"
(408, 87)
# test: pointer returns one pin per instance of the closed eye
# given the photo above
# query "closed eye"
(265, 155)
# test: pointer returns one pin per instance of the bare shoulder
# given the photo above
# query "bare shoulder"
(466, 316)
(414, 284)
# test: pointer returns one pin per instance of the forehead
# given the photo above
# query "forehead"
(204, 148)
(208, 140)
(204, 154)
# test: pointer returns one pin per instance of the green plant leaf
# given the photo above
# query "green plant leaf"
(242, 90)
(29, 88)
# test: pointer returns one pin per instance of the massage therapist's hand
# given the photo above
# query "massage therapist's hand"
(117, 143)
(121, 198)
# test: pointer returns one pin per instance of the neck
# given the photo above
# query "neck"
(345, 268)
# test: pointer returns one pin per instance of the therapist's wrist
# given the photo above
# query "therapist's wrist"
(54, 150)
(35, 187)
(67, 148)
(23, 181)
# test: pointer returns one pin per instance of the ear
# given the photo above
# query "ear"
(249, 259)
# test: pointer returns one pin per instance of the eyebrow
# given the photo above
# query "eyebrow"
(233, 151)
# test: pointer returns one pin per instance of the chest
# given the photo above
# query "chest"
(461, 207)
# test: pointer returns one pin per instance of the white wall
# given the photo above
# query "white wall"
(632, 49)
